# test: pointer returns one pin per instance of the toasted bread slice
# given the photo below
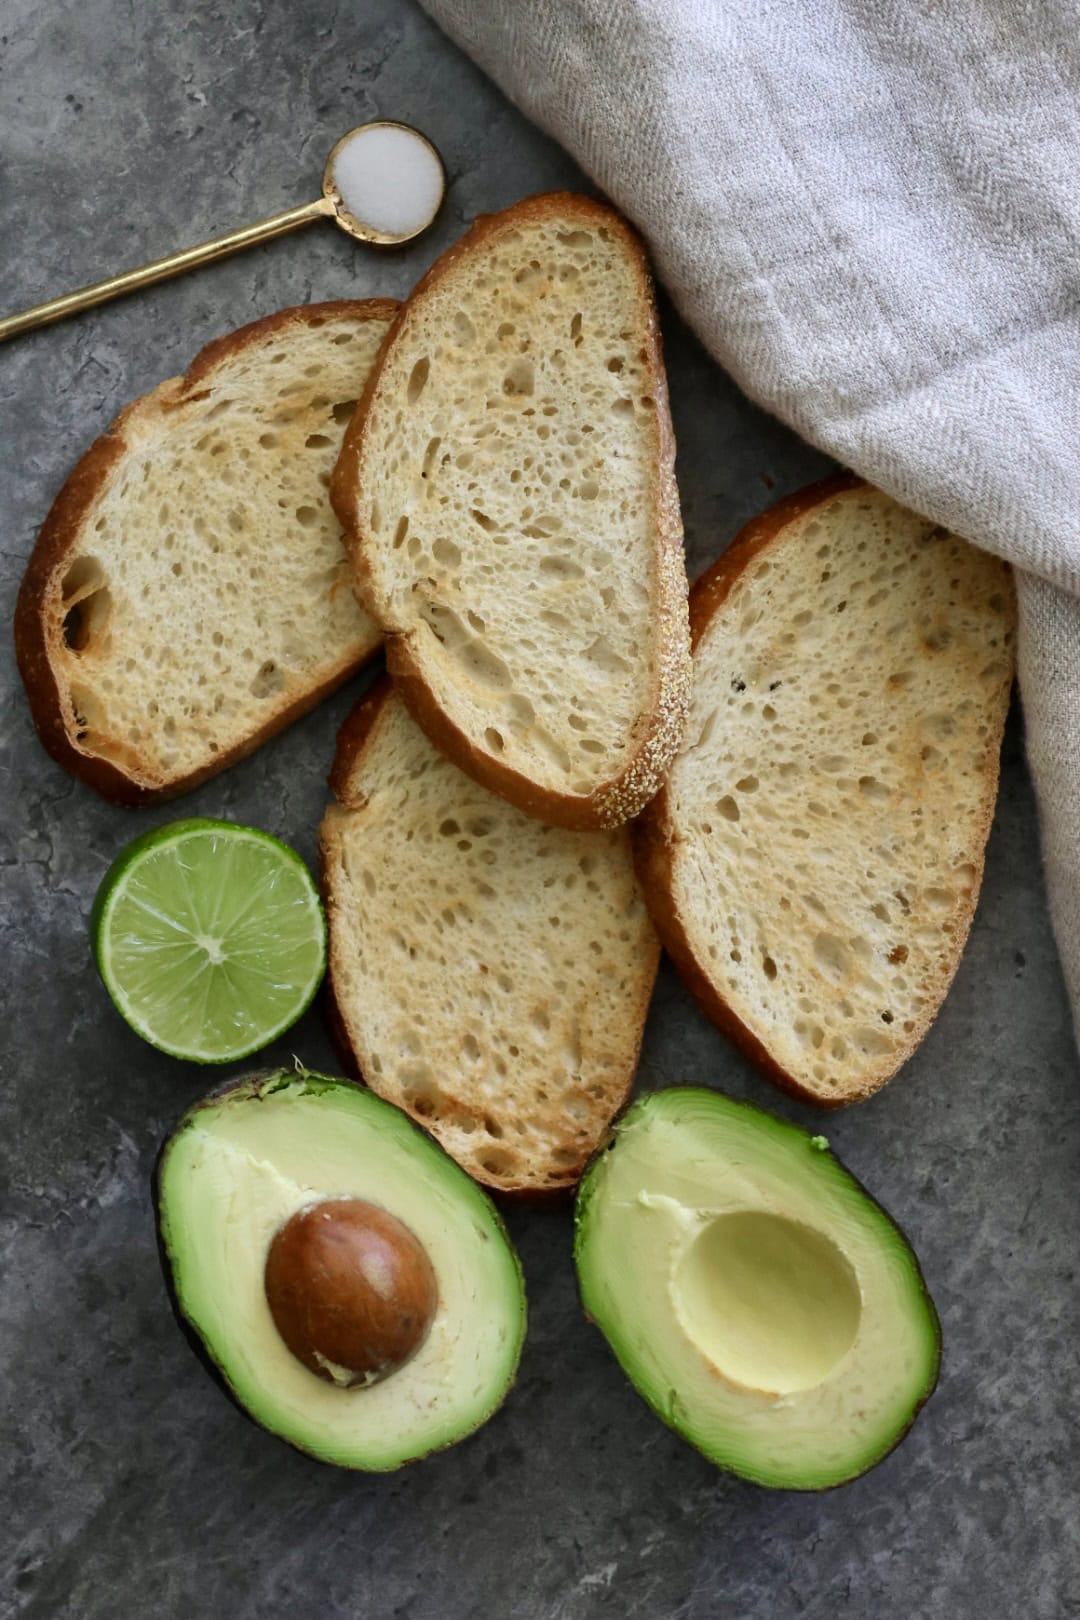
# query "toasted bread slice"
(490, 974)
(508, 489)
(189, 595)
(814, 860)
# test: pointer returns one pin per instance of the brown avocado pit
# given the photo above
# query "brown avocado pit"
(351, 1290)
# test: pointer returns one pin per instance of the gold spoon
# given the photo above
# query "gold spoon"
(383, 184)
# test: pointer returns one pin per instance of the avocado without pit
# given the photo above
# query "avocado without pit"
(350, 1287)
(758, 1298)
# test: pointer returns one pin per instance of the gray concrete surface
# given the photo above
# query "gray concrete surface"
(130, 1487)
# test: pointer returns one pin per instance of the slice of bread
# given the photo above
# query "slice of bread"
(188, 595)
(508, 491)
(814, 860)
(490, 975)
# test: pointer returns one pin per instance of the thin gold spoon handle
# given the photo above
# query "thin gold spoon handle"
(161, 269)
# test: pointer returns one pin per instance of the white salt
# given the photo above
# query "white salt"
(389, 179)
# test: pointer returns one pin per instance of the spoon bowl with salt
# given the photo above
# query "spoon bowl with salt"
(386, 183)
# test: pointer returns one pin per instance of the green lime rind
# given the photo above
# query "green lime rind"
(209, 937)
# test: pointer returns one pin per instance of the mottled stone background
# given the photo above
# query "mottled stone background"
(130, 1488)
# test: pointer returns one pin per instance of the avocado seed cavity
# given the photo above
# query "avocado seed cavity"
(351, 1290)
(772, 1304)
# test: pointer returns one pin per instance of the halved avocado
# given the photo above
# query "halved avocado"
(238, 1167)
(754, 1293)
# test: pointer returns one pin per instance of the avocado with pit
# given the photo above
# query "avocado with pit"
(754, 1293)
(351, 1288)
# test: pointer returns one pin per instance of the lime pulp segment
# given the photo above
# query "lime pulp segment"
(210, 938)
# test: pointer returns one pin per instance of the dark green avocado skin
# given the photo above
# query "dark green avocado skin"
(665, 1417)
(244, 1086)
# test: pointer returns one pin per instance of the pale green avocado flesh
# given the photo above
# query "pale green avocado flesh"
(238, 1166)
(757, 1297)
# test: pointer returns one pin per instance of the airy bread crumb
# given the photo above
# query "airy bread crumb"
(814, 860)
(491, 974)
(509, 491)
(189, 593)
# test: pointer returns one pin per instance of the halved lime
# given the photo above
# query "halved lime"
(209, 937)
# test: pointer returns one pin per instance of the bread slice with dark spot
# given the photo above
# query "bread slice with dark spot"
(508, 491)
(490, 974)
(188, 595)
(813, 861)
